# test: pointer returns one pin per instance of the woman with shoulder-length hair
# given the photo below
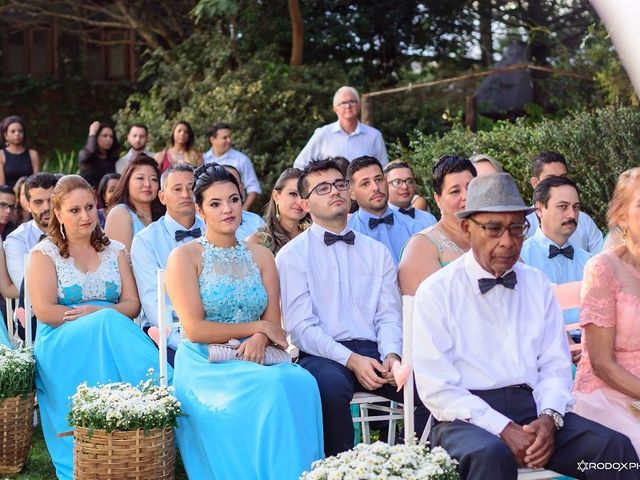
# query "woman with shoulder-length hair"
(100, 154)
(607, 384)
(181, 150)
(84, 296)
(16, 158)
(135, 202)
(284, 217)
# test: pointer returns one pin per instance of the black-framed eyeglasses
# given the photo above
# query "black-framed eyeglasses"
(5, 206)
(496, 230)
(398, 182)
(325, 187)
(347, 103)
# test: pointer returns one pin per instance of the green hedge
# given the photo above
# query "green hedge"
(598, 146)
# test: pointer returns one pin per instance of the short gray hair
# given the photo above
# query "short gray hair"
(346, 88)
(176, 167)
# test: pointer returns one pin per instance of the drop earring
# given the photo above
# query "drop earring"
(64, 237)
(277, 211)
(624, 234)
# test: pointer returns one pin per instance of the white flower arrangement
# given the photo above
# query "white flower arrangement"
(17, 367)
(380, 461)
(121, 406)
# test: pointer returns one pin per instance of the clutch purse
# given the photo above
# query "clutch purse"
(222, 352)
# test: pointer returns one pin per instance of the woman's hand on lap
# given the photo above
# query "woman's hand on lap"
(252, 350)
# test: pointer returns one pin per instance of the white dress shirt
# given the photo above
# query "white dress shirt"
(587, 235)
(331, 141)
(465, 340)
(339, 292)
(239, 161)
(17, 245)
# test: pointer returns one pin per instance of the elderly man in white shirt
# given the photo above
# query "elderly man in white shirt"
(340, 304)
(491, 358)
(347, 137)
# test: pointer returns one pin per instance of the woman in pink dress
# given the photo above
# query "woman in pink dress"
(608, 379)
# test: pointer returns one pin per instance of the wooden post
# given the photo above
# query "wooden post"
(367, 109)
(470, 113)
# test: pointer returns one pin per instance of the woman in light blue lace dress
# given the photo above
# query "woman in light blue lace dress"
(84, 296)
(243, 420)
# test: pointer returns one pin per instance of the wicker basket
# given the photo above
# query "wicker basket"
(16, 429)
(123, 455)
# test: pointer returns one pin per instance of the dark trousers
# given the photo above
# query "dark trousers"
(483, 455)
(337, 384)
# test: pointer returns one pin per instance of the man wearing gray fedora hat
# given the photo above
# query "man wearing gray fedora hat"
(491, 359)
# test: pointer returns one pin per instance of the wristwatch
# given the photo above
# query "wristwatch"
(558, 420)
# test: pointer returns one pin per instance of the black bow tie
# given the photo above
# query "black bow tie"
(182, 234)
(331, 238)
(508, 281)
(42, 237)
(374, 222)
(566, 251)
(408, 211)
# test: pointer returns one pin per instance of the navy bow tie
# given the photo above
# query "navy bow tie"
(42, 237)
(182, 234)
(331, 238)
(374, 222)
(408, 211)
(508, 281)
(566, 251)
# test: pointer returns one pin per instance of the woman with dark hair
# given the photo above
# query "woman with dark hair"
(84, 295)
(181, 150)
(106, 188)
(223, 290)
(21, 213)
(16, 159)
(438, 245)
(284, 217)
(135, 202)
(100, 154)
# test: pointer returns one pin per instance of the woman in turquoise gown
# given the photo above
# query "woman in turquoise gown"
(84, 296)
(243, 420)
(8, 291)
(4, 336)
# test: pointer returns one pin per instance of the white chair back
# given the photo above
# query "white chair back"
(162, 326)
(27, 305)
(407, 359)
(9, 309)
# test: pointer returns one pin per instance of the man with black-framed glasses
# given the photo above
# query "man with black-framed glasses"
(491, 358)
(340, 305)
(402, 189)
(7, 207)
(346, 137)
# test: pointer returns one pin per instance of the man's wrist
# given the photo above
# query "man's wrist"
(556, 419)
(393, 356)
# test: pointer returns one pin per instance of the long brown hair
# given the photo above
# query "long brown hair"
(66, 185)
(121, 193)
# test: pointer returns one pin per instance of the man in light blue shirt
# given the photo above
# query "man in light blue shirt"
(550, 249)
(374, 218)
(221, 153)
(340, 305)
(587, 235)
(153, 244)
(402, 187)
(251, 222)
(347, 137)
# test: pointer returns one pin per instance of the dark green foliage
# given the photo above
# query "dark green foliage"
(598, 147)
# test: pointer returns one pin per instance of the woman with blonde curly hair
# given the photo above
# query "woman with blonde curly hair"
(607, 384)
(84, 296)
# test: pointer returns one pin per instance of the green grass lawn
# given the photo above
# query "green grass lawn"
(39, 466)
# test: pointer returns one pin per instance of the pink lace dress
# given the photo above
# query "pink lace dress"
(610, 299)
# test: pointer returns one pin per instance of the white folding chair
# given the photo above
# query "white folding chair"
(9, 309)
(165, 321)
(27, 305)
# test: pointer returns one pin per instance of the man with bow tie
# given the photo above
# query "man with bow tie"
(153, 244)
(340, 304)
(374, 218)
(402, 188)
(550, 249)
(491, 358)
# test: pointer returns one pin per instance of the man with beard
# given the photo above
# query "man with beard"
(38, 190)
(550, 249)
(368, 187)
(137, 139)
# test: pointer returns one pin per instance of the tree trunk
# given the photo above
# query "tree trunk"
(297, 33)
(486, 35)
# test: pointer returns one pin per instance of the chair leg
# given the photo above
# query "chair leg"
(391, 436)
(366, 431)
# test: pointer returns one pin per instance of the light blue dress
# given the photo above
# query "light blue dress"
(136, 223)
(243, 420)
(104, 346)
(4, 335)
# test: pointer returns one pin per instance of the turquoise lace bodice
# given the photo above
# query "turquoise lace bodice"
(76, 287)
(230, 284)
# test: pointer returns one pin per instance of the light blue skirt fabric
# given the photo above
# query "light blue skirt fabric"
(102, 347)
(245, 421)
(4, 335)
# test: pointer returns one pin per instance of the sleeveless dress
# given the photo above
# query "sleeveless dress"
(441, 242)
(4, 335)
(136, 223)
(104, 346)
(16, 166)
(242, 420)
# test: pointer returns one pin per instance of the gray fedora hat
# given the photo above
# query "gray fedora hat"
(494, 193)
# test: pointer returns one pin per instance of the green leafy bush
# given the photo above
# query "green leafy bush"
(598, 146)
